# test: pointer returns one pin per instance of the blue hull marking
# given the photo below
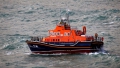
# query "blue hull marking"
(47, 48)
(71, 43)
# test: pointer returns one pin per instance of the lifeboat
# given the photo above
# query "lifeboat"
(65, 39)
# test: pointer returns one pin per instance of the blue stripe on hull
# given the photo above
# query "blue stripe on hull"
(47, 48)
(71, 43)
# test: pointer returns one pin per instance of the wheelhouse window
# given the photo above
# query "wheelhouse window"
(53, 40)
(58, 40)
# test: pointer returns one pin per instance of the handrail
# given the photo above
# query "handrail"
(36, 39)
(75, 43)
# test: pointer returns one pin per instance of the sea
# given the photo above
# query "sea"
(21, 19)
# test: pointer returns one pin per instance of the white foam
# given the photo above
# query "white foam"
(5, 45)
(111, 23)
(54, 54)
(102, 32)
(9, 53)
(96, 53)
(27, 53)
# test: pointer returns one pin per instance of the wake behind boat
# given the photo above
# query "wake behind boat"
(66, 39)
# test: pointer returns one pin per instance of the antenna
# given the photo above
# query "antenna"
(67, 15)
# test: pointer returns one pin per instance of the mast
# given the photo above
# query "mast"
(67, 18)
(67, 15)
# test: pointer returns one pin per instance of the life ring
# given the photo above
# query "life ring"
(84, 30)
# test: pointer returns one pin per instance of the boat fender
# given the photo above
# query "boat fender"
(102, 38)
(96, 36)
(84, 30)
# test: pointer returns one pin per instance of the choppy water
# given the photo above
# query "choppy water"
(20, 19)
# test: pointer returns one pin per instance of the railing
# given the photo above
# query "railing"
(98, 39)
(92, 38)
(36, 39)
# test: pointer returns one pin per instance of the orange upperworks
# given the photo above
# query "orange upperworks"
(65, 33)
